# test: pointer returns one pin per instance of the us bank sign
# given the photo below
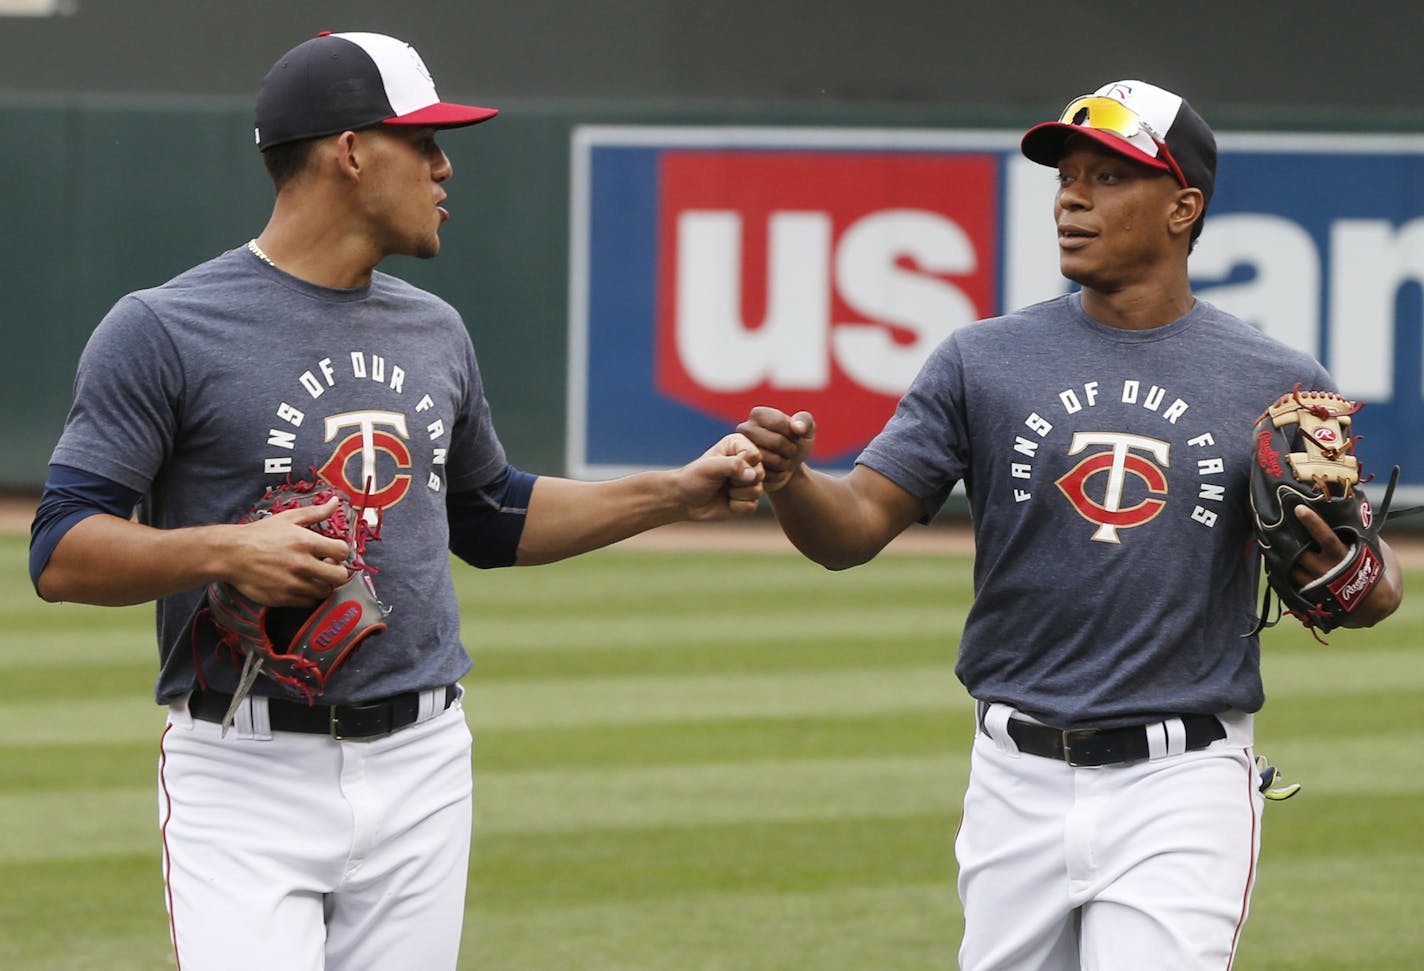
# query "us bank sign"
(713, 269)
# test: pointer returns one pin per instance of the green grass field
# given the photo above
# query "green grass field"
(697, 762)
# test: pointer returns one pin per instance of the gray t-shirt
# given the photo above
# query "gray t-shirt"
(201, 393)
(1115, 579)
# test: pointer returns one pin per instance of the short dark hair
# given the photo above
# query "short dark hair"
(286, 161)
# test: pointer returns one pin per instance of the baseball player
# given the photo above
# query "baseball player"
(1112, 817)
(333, 835)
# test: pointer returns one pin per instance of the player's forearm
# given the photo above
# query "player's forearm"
(108, 561)
(825, 517)
(568, 517)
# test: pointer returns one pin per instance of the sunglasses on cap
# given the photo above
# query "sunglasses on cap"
(1105, 114)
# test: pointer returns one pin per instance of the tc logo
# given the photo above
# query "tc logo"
(1118, 463)
(368, 443)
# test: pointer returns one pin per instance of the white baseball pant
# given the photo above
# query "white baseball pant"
(1118, 868)
(297, 852)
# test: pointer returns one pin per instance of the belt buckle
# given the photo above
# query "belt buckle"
(1082, 734)
(334, 723)
(361, 723)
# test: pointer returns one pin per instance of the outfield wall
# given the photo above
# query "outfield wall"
(125, 156)
(566, 223)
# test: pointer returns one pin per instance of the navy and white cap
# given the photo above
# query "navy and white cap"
(339, 82)
(1138, 120)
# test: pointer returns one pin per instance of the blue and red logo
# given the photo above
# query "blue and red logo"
(815, 280)
(719, 279)
(714, 269)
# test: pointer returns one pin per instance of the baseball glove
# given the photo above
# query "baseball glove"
(301, 648)
(1305, 455)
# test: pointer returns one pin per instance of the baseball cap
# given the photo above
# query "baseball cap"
(1140, 121)
(339, 82)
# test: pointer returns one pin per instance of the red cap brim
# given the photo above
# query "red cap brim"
(1048, 142)
(443, 114)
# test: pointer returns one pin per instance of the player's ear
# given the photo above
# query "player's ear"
(1186, 205)
(346, 154)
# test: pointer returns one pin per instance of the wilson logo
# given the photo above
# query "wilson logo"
(336, 627)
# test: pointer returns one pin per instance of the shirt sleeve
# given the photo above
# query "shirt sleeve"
(486, 522)
(924, 448)
(476, 454)
(70, 496)
(127, 395)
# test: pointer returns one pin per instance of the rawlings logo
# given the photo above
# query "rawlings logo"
(1352, 588)
(335, 627)
(1367, 515)
(1266, 456)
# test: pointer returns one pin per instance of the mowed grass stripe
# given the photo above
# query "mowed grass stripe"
(804, 737)
(36, 623)
(613, 701)
(571, 800)
(586, 702)
(835, 653)
(622, 582)
(1403, 629)
(703, 626)
(74, 825)
(66, 681)
(102, 663)
(527, 710)
(135, 678)
(1336, 911)
(908, 925)
(66, 634)
(1306, 716)
(98, 760)
(103, 720)
(521, 870)
(1372, 665)
(97, 820)
(122, 819)
(76, 766)
(1360, 763)
(51, 672)
(1318, 824)
(101, 911)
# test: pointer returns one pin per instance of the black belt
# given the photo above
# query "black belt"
(1106, 746)
(339, 721)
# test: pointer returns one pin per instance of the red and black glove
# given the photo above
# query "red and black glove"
(302, 648)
